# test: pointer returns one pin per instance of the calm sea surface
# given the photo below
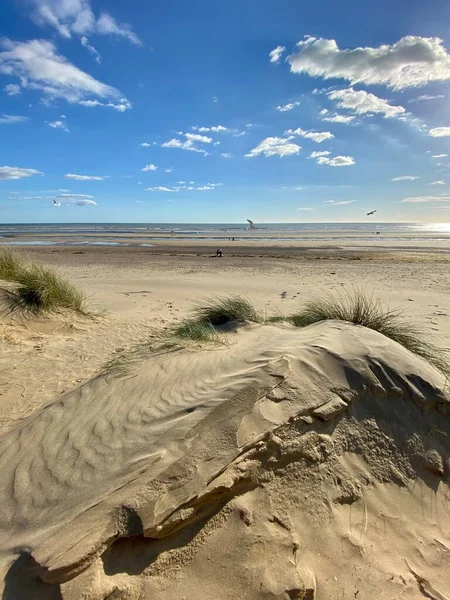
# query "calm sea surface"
(142, 234)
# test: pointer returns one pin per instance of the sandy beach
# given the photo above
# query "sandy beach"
(137, 292)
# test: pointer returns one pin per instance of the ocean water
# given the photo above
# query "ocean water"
(142, 234)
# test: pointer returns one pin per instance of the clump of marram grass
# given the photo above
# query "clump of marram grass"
(38, 288)
(220, 311)
(355, 307)
(11, 265)
(195, 331)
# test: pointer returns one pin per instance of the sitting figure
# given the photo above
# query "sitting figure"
(219, 252)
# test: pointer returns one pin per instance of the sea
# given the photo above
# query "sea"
(144, 234)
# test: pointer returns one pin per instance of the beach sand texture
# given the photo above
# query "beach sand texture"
(287, 463)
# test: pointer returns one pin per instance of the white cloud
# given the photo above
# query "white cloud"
(199, 188)
(341, 203)
(440, 182)
(107, 25)
(83, 177)
(214, 129)
(12, 89)
(160, 188)
(336, 118)
(145, 145)
(215, 99)
(58, 125)
(288, 107)
(273, 146)
(316, 136)
(423, 199)
(169, 170)
(74, 200)
(425, 97)
(186, 145)
(17, 173)
(149, 167)
(276, 53)
(362, 102)
(439, 155)
(411, 62)
(337, 161)
(405, 178)
(225, 155)
(195, 137)
(39, 67)
(121, 106)
(440, 132)
(76, 16)
(11, 119)
(305, 208)
(316, 154)
(95, 53)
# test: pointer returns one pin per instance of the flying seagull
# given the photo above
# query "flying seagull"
(372, 212)
(251, 224)
(56, 203)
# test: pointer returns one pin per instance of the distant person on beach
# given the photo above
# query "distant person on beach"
(219, 252)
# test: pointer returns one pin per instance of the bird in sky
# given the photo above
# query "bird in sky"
(372, 212)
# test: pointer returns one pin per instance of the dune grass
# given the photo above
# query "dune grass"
(360, 309)
(11, 265)
(220, 311)
(38, 288)
(195, 331)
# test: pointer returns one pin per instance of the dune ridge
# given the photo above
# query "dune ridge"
(235, 472)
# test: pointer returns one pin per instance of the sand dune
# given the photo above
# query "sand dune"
(288, 464)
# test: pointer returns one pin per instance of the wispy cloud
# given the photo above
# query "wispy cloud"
(340, 203)
(440, 132)
(83, 177)
(145, 145)
(276, 54)
(425, 97)
(185, 186)
(38, 66)
(275, 146)
(213, 129)
(225, 155)
(74, 200)
(325, 115)
(288, 107)
(70, 17)
(362, 102)
(315, 136)
(317, 154)
(11, 119)
(439, 155)
(189, 143)
(425, 199)
(12, 89)
(337, 161)
(439, 182)
(150, 167)
(413, 61)
(95, 53)
(405, 178)
(17, 173)
(59, 124)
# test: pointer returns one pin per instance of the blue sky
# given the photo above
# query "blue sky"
(216, 112)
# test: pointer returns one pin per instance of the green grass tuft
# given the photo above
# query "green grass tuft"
(11, 265)
(38, 288)
(195, 331)
(355, 307)
(220, 311)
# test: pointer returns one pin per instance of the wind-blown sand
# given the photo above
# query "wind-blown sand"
(287, 464)
(291, 463)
